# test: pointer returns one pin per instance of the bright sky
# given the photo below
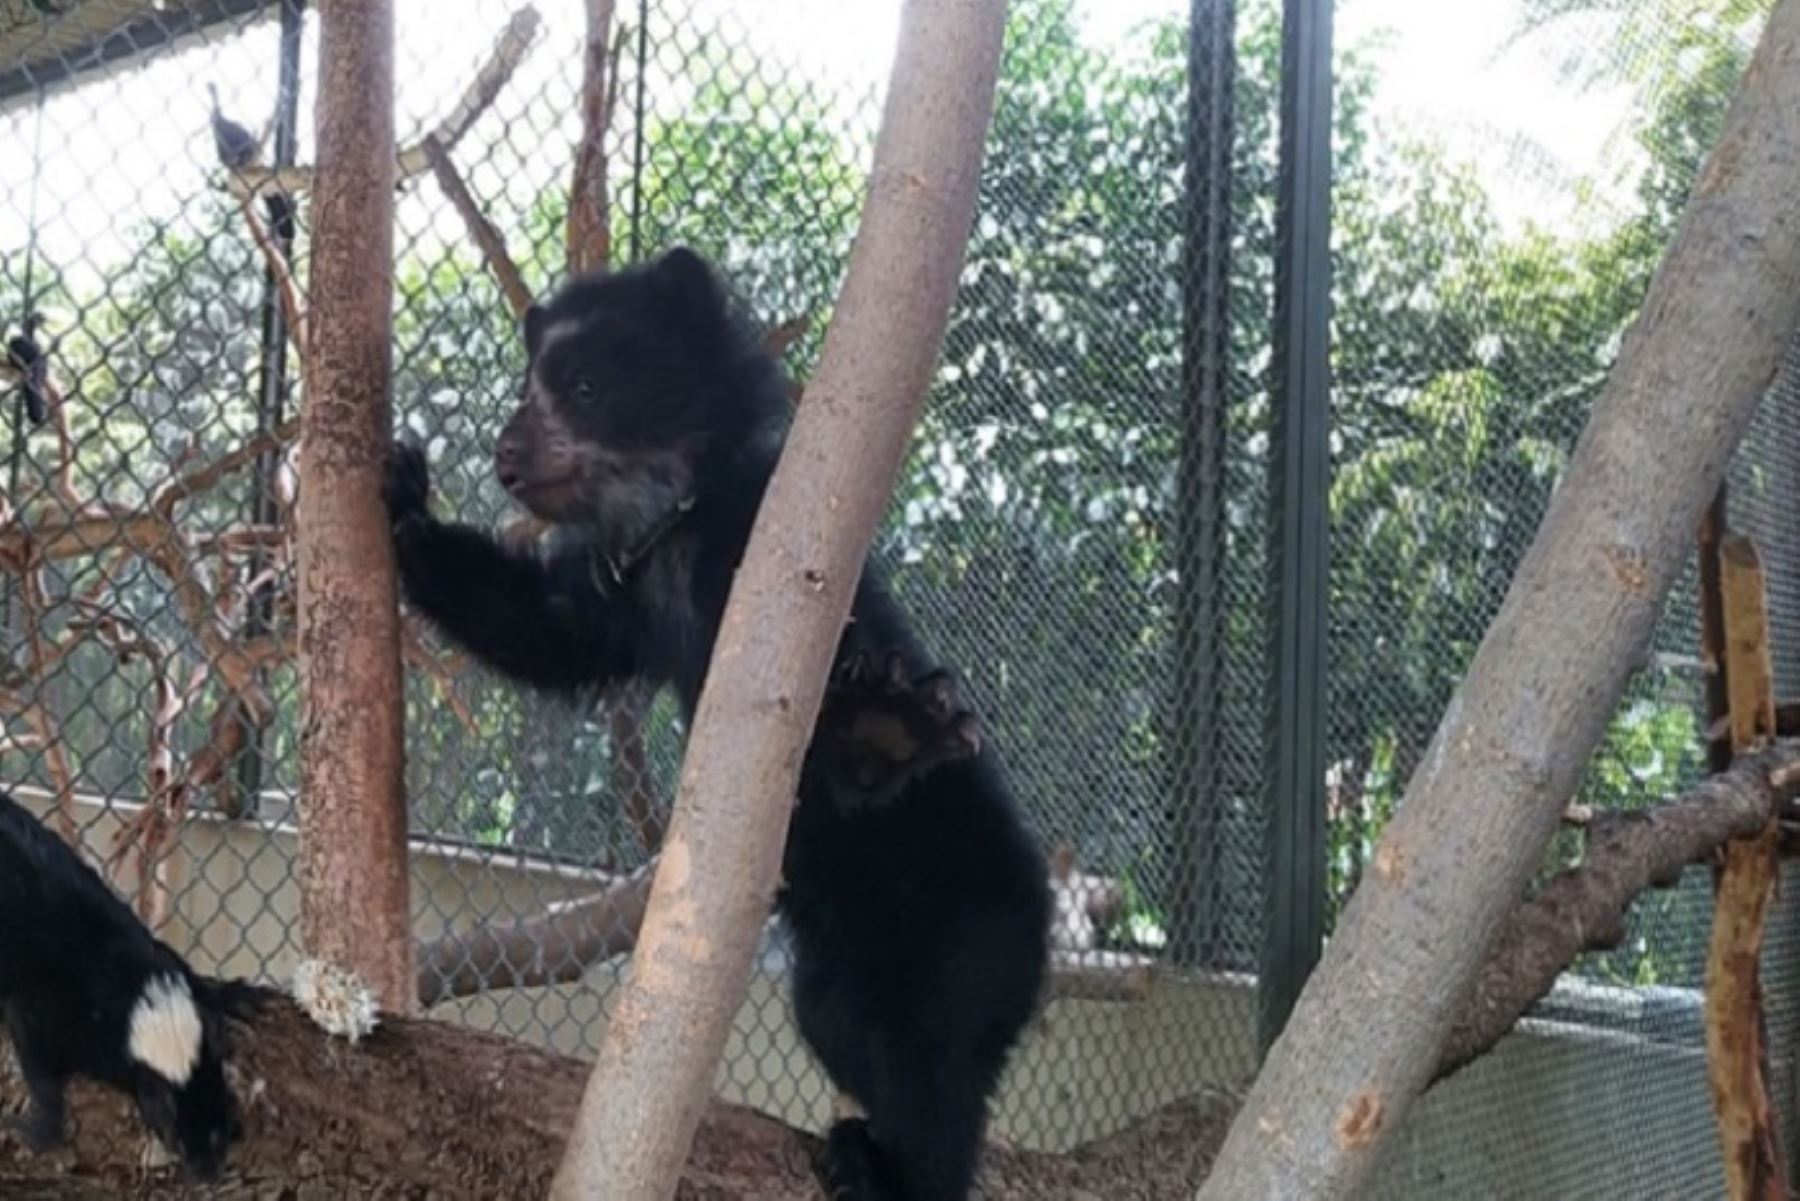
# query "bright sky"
(136, 145)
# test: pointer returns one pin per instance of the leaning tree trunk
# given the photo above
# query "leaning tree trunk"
(1366, 1033)
(788, 604)
(352, 868)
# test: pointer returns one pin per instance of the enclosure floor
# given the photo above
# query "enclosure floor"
(1164, 1158)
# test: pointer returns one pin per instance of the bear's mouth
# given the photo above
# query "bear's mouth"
(551, 499)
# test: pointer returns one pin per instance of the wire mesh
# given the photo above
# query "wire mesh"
(1080, 528)
(1505, 186)
(1033, 534)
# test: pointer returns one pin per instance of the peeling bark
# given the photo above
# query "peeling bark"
(1737, 1051)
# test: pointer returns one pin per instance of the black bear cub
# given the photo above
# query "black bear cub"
(86, 990)
(650, 421)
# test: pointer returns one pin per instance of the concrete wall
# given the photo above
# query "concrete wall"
(1561, 1110)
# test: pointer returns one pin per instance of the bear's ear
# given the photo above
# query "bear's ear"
(687, 285)
(535, 320)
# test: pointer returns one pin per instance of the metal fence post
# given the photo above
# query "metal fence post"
(272, 373)
(1300, 474)
(1199, 931)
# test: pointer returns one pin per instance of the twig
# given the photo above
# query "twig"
(488, 238)
(509, 51)
(589, 235)
(280, 270)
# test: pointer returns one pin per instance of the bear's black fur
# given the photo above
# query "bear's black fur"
(78, 974)
(919, 906)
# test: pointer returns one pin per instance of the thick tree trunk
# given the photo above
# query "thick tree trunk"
(1477, 814)
(720, 857)
(352, 868)
(424, 1109)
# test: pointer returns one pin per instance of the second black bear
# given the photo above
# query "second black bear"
(919, 905)
(86, 990)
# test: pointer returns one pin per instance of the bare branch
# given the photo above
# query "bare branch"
(559, 945)
(509, 52)
(555, 946)
(1539, 693)
(763, 693)
(1583, 908)
(295, 316)
(589, 235)
(1736, 1043)
(355, 906)
(489, 239)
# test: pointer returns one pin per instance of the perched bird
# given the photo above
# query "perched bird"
(26, 355)
(238, 148)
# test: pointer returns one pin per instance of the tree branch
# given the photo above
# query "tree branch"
(293, 314)
(556, 946)
(559, 945)
(794, 589)
(1583, 908)
(355, 906)
(589, 234)
(509, 52)
(486, 237)
(1736, 1043)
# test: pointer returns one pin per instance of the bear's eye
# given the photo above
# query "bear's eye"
(584, 389)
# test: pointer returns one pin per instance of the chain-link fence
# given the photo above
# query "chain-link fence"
(1506, 183)
(1084, 529)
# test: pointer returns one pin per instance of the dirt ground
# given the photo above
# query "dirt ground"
(1163, 1158)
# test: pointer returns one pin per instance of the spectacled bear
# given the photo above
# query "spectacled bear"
(87, 990)
(918, 904)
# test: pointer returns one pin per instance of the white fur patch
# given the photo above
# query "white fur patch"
(562, 331)
(336, 999)
(165, 1029)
